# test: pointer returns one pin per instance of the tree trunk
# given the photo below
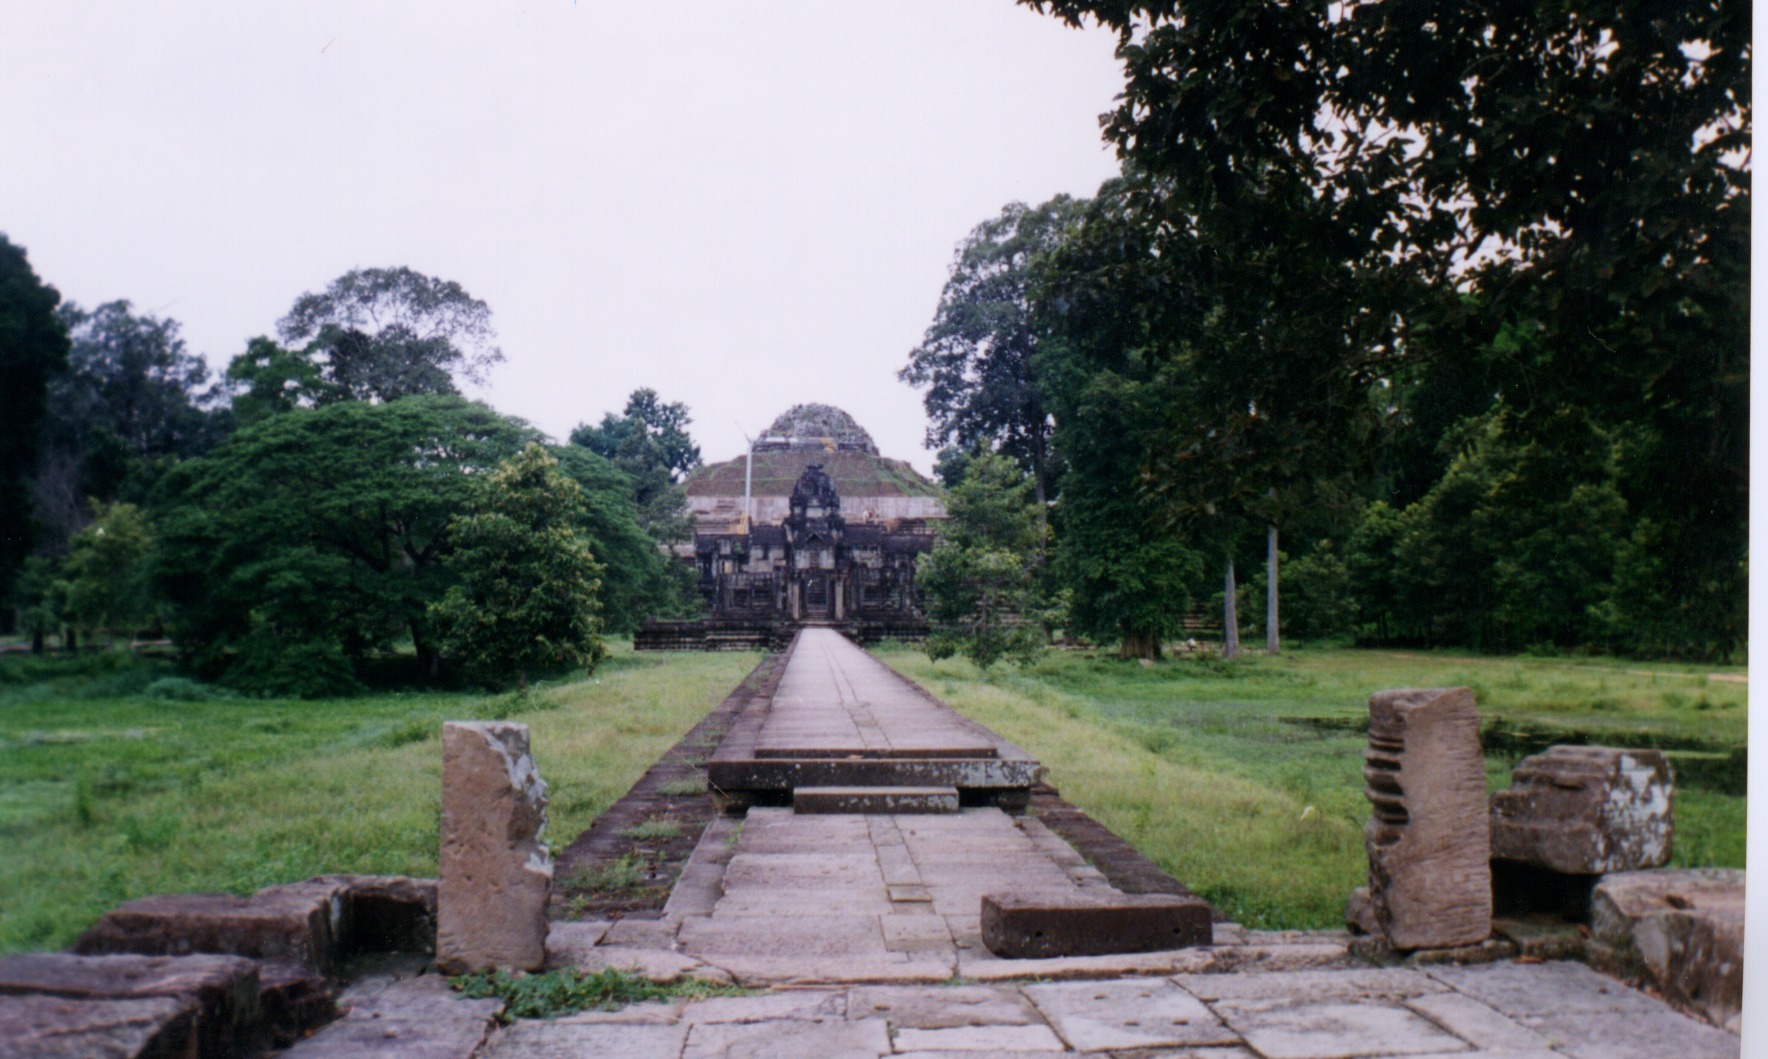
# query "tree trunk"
(1230, 620)
(1271, 639)
(37, 640)
(70, 640)
(1139, 645)
(522, 681)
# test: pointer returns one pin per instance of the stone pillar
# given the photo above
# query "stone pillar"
(1429, 840)
(495, 872)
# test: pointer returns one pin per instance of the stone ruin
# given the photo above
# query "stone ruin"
(495, 871)
(1429, 862)
(1569, 858)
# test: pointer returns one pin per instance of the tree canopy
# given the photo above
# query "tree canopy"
(977, 359)
(379, 334)
(981, 576)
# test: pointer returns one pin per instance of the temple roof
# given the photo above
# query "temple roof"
(807, 434)
(819, 426)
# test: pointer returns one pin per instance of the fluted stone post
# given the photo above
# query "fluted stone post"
(1429, 841)
(495, 872)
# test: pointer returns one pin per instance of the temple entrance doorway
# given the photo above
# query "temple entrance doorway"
(816, 596)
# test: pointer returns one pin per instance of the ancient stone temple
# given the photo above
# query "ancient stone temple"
(811, 526)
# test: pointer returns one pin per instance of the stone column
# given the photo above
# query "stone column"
(495, 872)
(1429, 841)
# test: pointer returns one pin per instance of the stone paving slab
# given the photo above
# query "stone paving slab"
(1335, 1028)
(1137, 1013)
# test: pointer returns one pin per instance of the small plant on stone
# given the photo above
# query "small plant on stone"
(556, 993)
(621, 874)
(683, 787)
(653, 830)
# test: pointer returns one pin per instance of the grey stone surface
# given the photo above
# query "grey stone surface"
(1479, 1024)
(495, 872)
(1429, 838)
(875, 799)
(1311, 985)
(979, 1038)
(861, 1039)
(943, 1008)
(38, 1026)
(1333, 1028)
(813, 1004)
(1586, 810)
(577, 1040)
(392, 1039)
(1145, 1013)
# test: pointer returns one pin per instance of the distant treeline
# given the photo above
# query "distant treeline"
(289, 523)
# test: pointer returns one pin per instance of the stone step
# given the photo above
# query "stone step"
(875, 800)
(1030, 926)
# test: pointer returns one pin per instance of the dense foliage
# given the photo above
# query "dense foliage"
(525, 594)
(981, 578)
(1455, 296)
(33, 348)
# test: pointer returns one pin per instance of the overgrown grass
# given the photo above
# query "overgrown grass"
(1243, 779)
(116, 782)
(566, 992)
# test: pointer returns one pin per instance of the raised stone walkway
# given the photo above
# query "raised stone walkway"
(861, 934)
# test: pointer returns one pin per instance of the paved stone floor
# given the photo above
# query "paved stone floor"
(860, 937)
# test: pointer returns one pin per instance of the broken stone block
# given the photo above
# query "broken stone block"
(1083, 924)
(1428, 840)
(386, 913)
(295, 922)
(1679, 930)
(293, 1001)
(218, 994)
(1359, 912)
(496, 873)
(43, 1026)
(1586, 810)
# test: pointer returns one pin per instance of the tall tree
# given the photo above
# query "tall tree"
(977, 359)
(526, 597)
(107, 587)
(379, 334)
(33, 349)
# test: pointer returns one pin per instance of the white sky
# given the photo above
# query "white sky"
(742, 205)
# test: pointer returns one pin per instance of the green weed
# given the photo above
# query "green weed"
(685, 787)
(653, 830)
(617, 876)
(556, 993)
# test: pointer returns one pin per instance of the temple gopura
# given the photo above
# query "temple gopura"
(810, 527)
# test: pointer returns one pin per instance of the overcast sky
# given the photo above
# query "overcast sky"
(742, 205)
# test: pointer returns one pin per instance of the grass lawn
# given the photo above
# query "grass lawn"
(118, 779)
(1244, 779)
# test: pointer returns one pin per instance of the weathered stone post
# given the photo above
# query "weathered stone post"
(495, 873)
(1429, 841)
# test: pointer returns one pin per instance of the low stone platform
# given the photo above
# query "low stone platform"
(875, 800)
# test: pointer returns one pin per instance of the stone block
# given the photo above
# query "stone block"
(1037, 926)
(1429, 839)
(1681, 931)
(387, 913)
(220, 993)
(875, 800)
(297, 922)
(293, 1001)
(43, 1026)
(495, 872)
(1586, 810)
(1359, 912)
